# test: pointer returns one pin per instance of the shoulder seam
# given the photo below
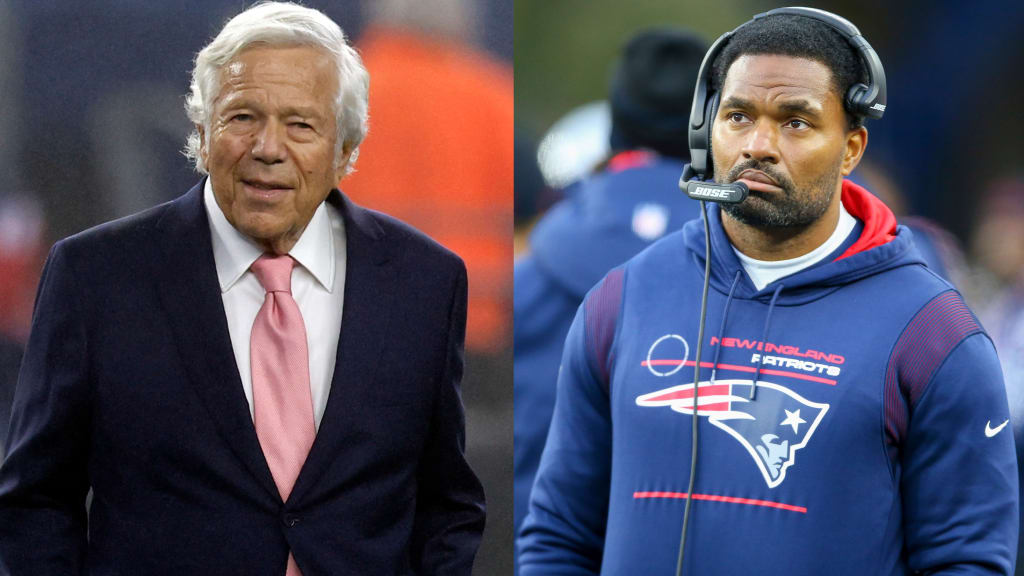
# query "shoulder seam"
(919, 351)
(600, 322)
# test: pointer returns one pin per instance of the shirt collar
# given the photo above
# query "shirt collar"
(234, 252)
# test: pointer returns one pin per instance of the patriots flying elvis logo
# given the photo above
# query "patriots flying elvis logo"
(771, 428)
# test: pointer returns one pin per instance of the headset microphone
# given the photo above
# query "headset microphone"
(712, 191)
(697, 188)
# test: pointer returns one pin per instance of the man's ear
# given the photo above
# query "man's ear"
(856, 143)
(343, 160)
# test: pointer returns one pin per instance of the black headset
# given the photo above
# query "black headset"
(861, 100)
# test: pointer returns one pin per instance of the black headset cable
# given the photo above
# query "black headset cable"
(696, 386)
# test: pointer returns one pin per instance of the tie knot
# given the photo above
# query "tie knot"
(274, 272)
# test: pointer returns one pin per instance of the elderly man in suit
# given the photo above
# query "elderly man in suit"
(259, 377)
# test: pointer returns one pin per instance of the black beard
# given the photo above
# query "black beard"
(793, 208)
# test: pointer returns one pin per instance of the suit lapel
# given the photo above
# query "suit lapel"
(364, 323)
(186, 280)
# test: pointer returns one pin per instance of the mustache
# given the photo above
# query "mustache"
(768, 169)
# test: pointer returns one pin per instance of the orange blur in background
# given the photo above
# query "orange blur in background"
(439, 157)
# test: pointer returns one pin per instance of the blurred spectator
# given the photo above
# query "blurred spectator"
(576, 144)
(22, 238)
(939, 248)
(632, 200)
(997, 243)
(532, 196)
(22, 232)
(440, 147)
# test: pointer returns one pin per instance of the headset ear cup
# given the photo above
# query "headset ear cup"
(709, 122)
(855, 99)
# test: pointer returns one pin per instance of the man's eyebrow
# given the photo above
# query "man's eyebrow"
(801, 107)
(736, 102)
(241, 101)
(235, 101)
(303, 111)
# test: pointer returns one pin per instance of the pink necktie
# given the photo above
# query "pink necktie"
(282, 404)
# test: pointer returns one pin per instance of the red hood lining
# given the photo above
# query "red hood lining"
(879, 221)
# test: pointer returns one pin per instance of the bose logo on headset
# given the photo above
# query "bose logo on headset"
(710, 193)
(865, 100)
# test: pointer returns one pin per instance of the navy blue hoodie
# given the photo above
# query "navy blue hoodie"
(852, 420)
(606, 219)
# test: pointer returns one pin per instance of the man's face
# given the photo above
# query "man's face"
(781, 130)
(270, 149)
(774, 453)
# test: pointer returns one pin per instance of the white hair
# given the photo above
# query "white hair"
(281, 24)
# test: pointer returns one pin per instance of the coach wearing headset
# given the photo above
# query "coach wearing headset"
(850, 412)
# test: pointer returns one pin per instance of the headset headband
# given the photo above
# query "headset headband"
(861, 100)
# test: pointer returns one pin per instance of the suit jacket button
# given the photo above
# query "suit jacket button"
(290, 520)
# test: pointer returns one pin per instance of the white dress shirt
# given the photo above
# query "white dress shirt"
(318, 286)
(763, 272)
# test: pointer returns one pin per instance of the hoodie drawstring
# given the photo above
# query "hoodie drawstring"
(764, 341)
(721, 330)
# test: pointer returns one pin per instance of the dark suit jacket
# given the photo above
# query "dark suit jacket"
(130, 387)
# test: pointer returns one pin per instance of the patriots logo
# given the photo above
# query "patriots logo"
(771, 428)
